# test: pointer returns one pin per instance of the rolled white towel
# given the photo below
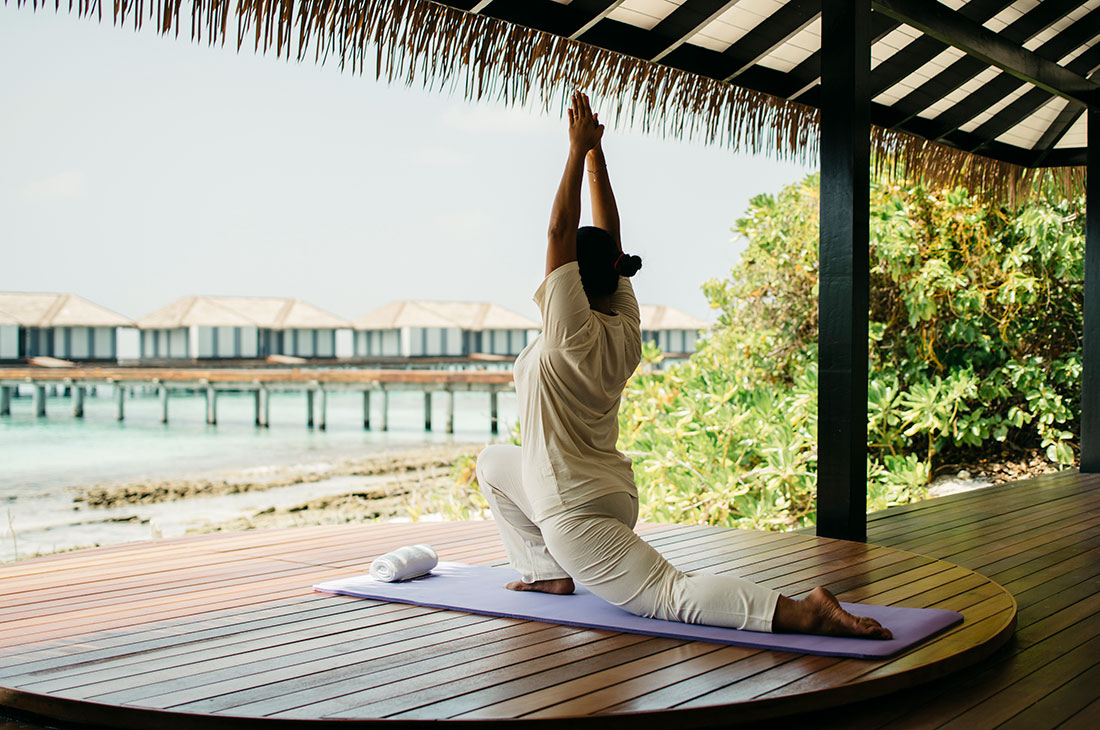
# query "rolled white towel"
(411, 561)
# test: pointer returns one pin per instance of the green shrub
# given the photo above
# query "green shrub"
(974, 343)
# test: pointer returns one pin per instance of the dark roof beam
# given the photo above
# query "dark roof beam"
(906, 109)
(924, 49)
(684, 22)
(570, 20)
(769, 34)
(1004, 83)
(1000, 50)
(596, 10)
(1021, 108)
(1069, 115)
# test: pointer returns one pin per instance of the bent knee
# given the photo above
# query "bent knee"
(494, 462)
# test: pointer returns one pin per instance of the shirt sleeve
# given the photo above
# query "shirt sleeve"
(624, 303)
(564, 305)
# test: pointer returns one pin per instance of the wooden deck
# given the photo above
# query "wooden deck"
(206, 629)
(1040, 539)
(222, 631)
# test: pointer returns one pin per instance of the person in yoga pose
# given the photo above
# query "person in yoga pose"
(565, 502)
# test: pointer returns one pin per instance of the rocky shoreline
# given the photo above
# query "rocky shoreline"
(402, 463)
(410, 483)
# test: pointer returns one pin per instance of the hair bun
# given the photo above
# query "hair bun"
(628, 265)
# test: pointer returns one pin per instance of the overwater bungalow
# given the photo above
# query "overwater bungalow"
(1000, 96)
(441, 329)
(674, 331)
(64, 326)
(238, 327)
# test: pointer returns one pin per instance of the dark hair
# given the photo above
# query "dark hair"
(600, 263)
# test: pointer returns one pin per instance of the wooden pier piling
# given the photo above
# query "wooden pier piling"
(450, 411)
(427, 410)
(78, 401)
(366, 410)
(385, 410)
(309, 407)
(322, 418)
(263, 407)
(120, 402)
(163, 394)
(40, 401)
(494, 426)
(5, 400)
(211, 405)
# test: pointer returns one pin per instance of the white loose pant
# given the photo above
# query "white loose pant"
(596, 545)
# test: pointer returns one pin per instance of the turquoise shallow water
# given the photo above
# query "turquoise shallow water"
(44, 460)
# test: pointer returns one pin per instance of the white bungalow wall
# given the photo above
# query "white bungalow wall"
(672, 341)
(504, 342)
(378, 343)
(431, 341)
(105, 341)
(84, 343)
(207, 344)
(326, 343)
(9, 341)
(308, 342)
(178, 342)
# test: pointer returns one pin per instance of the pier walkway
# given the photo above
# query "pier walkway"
(316, 383)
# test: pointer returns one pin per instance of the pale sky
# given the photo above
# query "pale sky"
(136, 169)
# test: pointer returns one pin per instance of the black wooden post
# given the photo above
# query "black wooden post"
(844, 270)
(1090, 343)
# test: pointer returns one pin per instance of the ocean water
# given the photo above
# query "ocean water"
(44, 461)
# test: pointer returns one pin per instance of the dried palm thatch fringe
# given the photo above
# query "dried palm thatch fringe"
(418, 41)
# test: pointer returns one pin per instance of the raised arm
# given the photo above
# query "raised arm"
(605, 214)
(584, 134)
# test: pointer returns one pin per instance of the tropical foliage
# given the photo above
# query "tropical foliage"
(974, 345)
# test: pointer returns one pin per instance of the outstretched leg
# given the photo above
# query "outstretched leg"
(596, 544)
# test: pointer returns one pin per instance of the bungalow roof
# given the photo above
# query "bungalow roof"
(263, 312)
(56, 310)
(463, 315)
(662, 317)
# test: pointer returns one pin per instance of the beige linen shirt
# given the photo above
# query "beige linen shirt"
(569, 381)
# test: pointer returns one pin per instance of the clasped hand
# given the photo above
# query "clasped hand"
(585, 130)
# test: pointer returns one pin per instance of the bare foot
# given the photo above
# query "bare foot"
(558, 586)
(821, 613)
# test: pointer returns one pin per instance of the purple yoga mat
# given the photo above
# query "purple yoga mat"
(480, 589)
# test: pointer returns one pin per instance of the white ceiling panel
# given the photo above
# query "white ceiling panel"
(1030, 130)
(1056, 103)
(643, 13)
(796, 50)
(1010, 15)
(732, 25)
(1054, 29)
(944, 59)
(1077, 136)
(892, 42)
(960, 94)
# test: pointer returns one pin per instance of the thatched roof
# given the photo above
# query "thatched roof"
(463, 315)
(56, 310)
(660, 317)
(263, 312)
(743, 74)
